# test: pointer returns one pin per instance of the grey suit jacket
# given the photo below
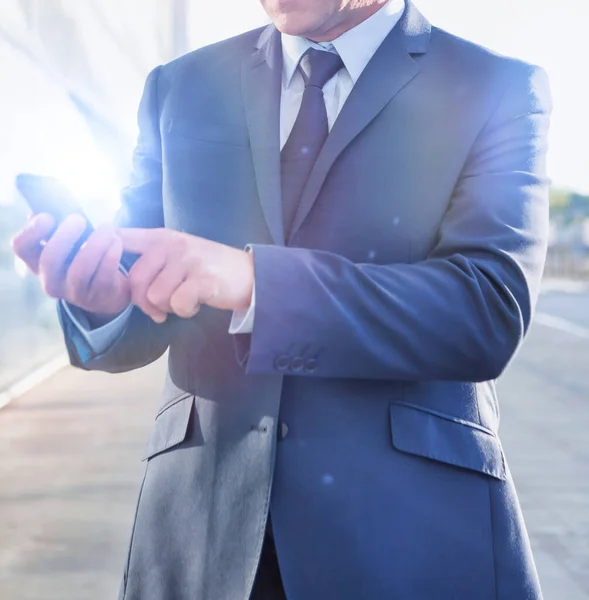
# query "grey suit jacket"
(405, 289)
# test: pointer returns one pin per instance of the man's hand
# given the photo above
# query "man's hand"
(178, 272)
(93, 281)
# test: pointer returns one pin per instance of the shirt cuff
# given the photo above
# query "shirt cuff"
(243, 320)
(101, 338)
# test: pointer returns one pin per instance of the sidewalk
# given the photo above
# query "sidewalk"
(70, 474)
(544, 400)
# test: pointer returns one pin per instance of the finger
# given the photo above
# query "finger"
(141, 276)
(86, 263)
(108, 267)
(52, 263)
(139, 241)
(164, 285)
(27, 243)
(108, 283)
(184, 301)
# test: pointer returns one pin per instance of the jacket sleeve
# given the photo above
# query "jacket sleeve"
(458, 315)
(141, 341)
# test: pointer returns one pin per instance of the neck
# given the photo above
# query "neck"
(350, 16)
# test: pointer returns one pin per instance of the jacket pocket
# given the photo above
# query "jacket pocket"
(447, 439)
(171, 426)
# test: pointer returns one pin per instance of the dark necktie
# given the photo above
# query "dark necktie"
(309, 132)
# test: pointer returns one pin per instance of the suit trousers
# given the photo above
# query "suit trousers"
(268, 582)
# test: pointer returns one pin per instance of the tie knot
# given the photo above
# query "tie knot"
(319, 66)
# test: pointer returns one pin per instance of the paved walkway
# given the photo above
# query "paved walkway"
(69, 476)
(70, 470)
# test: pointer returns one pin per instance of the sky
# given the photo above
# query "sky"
(547, 33)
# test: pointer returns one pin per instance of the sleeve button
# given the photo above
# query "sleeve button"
(297, 364)
(282, 362)
(311, 365)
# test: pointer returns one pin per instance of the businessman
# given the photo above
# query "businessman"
(339, 225)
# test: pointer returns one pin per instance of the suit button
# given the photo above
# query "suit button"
(282, 430)
(297, 364)
(311, 365)
(282, 363)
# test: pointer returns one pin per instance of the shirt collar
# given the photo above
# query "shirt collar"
(355, 47)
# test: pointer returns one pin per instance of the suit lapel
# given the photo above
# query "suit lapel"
(261, 79)
(389, 71)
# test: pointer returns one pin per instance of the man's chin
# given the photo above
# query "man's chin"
(291, 27)
(291, 24)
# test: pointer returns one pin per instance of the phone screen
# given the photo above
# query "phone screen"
(49, 195)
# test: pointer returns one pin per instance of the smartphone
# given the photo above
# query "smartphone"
(49, 195)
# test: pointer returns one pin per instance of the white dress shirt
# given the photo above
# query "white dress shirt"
(355, 47)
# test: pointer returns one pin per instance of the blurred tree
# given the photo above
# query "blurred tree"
(579, 206)
(559, 198)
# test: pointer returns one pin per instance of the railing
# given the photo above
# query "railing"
(564, 261)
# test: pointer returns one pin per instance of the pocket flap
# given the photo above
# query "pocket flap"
(171, 427)
(446, 439)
